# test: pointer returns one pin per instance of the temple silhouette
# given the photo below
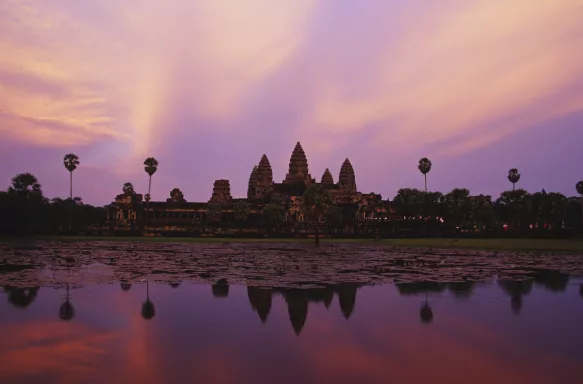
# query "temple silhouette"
(298, 300)
(222, 210)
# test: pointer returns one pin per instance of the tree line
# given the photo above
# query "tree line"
(515, 211)
(25, 210)
(420, 212)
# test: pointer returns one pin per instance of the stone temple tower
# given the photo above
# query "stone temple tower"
(298, 167)
(221, 192)
(327, 178)
(252, 188)
(260, 180)
(347, 179)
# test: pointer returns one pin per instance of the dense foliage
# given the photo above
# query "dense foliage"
(24, 210)
(412, 212)
(513, 212)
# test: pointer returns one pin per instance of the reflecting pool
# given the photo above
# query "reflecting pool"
(226, 313)
(153, 332)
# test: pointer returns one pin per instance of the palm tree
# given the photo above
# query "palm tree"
(71, 161)
(424, 167)
(513, 177)
(579, 187)
(150, 166)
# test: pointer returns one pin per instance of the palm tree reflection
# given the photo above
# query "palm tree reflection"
(21, 297)
(554, 281)
(516, 290)
(66, 310)
(148, 310)
(426, 313)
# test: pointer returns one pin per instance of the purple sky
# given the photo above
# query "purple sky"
(207, 87)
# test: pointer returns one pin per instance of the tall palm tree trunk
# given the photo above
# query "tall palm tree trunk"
(148, 202)
(425, 182)
(513, 187)
(71, 201)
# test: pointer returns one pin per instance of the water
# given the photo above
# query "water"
(85, 325)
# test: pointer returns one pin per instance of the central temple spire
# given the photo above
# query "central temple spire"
(298, 166)
(347, 178)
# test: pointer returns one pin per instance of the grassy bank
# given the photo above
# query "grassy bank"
(532, 245)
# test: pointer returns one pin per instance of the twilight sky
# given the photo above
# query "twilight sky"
(207, 87)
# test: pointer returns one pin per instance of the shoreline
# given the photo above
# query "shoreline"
(574, 246)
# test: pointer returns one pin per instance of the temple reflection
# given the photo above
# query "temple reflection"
(260, 299)
(108, 331)
(220, 289)
(347, 298)
(297, 307)
(298, 300)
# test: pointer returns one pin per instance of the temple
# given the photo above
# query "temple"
(268, 203)
(221, 192)
(298, 167)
